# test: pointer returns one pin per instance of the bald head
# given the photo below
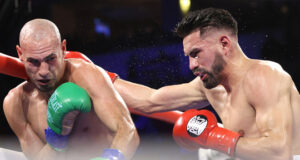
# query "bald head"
(39, 31)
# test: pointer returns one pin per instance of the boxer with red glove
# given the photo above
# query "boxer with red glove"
(195, 129)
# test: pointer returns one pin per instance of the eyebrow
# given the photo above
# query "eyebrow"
(192, 51)
(49, 56)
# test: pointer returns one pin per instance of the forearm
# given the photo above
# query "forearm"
(136, 96)
(45, 153)
(175, 97)
(126, 144)
(143, 98)
(148, 100)
(262, 148)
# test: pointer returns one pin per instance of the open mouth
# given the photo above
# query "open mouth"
(203, 76)
(43, 81)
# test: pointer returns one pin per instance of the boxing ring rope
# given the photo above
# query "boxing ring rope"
(169, 117)
(12, 66)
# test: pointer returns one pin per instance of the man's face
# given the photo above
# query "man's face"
(44, 64)
(205, 59)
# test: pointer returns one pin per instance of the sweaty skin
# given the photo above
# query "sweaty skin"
(107, 125)
(253, 97)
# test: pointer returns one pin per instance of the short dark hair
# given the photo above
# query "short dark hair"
(205, 19)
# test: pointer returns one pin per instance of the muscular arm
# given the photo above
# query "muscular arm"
(145, 99)
(109, 107)
(271, 98)
(32, 146)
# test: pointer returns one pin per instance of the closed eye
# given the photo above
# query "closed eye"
(50, 59)
(194, 53)
(34, 62)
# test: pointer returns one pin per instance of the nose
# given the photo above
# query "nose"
(44, 70)
(193, 63)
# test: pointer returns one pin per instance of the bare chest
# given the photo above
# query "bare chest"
(89, 136)
(87, 130)
(234, 110)
(36, 114)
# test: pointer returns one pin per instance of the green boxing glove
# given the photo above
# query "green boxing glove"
(63, 106)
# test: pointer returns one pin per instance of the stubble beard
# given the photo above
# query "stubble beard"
(214, 77)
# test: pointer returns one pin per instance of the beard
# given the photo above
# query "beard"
(213, 78)
(44, 88)
(49, 86)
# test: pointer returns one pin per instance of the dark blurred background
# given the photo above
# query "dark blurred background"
(134, 38)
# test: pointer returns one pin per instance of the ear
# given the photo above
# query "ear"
(64, 47)
(226, 44)
(20, 53)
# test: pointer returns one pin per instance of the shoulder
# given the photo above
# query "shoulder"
(266, 66)
(79, 67)
(196, 88)
(15, 98)
(266, 71)
(197, 84)
(15, 105)
(15, 93)
(266, 78)
(87, 75)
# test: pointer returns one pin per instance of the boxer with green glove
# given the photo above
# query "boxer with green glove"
(43, 54)
(63, 106)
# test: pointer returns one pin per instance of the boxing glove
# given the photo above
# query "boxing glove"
(63, 106)
(110, 154)
(195, 129)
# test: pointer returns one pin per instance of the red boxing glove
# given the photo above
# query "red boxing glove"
(195, 129)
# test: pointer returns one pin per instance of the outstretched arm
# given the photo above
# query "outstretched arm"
(142, 98)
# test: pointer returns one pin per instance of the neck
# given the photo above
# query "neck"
(65, 74)
(235, 69)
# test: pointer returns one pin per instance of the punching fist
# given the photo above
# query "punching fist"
(195, 129)
(63, 106)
